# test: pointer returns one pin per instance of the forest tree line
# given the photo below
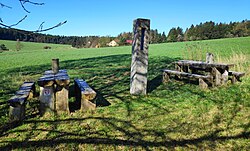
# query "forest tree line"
(202, 31)
(210, 30)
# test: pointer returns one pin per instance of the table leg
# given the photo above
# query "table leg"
(165, 77)
(217, 77)
(224, 77)
(178, 68)
(47, 99)
(62, 94)
(203, 84)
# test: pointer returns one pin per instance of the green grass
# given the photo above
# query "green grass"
(176, 115)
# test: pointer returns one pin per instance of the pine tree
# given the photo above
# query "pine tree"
(172, 35)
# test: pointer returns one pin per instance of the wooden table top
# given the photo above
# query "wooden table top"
(202, 65)
(61, 78)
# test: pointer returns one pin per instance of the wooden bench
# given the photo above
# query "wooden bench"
(202, 78)
(84, 95)
(18, 101)
(235, 76)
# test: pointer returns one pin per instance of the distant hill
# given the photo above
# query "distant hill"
(203, 31)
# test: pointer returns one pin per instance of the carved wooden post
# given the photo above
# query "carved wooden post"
(209, 58)
(139, 64)
(55, 66)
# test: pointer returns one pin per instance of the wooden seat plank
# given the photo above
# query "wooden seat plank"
(201, 78)
(85, 94)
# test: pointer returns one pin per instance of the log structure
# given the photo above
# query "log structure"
(219, 71)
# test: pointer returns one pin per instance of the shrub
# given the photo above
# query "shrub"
(3, 48)
(46, 47)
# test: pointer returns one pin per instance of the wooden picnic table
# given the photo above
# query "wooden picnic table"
(218, 71)
(54, 91)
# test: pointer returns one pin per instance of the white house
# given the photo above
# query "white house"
(112, 43)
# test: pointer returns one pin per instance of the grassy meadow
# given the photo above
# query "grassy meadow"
(175, 116)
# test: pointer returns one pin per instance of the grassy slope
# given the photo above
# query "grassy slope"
(173, 115)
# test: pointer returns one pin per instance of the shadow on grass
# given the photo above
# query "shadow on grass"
(130, 121)
(134, 136)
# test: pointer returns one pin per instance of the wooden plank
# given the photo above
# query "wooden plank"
(23, 92)
(238, 74)
(203, 65)
(17, 100)
(188, 75)
(47, 80)
(48, 72)
(28, 84)
(202, 83)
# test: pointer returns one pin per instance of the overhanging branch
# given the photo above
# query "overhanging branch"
(19, 21)
(43, 30)
(10, 26)
(3, 5)
(22, 3)
(40, 29)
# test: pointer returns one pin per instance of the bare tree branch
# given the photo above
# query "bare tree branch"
(22, 2)
(3, 5)
(19, 21)
(9, 26)
(41, 26)
(28, 1)
(42, 30)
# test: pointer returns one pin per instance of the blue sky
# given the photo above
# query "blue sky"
(111, 17)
